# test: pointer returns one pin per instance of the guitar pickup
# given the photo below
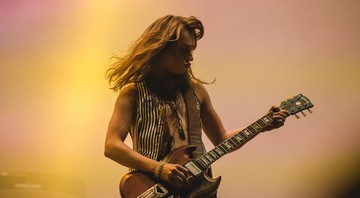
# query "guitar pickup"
(195, 170)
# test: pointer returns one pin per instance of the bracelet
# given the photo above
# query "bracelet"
(158, 170)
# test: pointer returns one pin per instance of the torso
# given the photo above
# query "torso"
(157, 121)
(176, 118)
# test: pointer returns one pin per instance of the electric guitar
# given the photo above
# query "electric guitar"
(138, 184)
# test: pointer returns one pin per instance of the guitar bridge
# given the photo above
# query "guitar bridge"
(156, 191)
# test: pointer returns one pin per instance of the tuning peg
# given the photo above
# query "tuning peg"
(310, 111)
(297, 116)
(304, 114)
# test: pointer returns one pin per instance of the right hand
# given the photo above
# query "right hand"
(175, 174)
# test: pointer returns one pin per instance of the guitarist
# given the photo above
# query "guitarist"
(161, 103)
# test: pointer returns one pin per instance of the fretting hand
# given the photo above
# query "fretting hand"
(279, 117)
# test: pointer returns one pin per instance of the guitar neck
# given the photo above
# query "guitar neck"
(293, 105)
(238, 140)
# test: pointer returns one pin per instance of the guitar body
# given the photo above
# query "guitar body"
(136, 183)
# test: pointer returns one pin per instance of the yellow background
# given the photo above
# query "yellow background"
(55, 103)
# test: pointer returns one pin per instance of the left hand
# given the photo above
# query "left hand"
(279, 117)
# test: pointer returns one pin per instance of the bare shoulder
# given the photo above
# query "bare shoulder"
(200, 91)
(128, 92)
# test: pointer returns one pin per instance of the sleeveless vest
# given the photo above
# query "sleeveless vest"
(148, 130)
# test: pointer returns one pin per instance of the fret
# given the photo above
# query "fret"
(256, 127)
(261, 122)
(236, 143)
(238, 137)
(232, 141)
(229, 142)
(267, 119)
(235, 140)
(244, 137)
(217, 154)
(220, 146)
(198, 163)
(203, 163)
(219, 151)
(206, 161)
(251, 129)
(210, 159)
(228, 145)
(247, 131)
(224, 148)
(213, 155)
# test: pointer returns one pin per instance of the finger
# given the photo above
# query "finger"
(280, 114)
(179, 176)
(176, 181)
(279, 119)
(182, 177)
(176, 178)
(182, 169)
(276, 124)
(287, 113)
(184, 181)
(274, 108)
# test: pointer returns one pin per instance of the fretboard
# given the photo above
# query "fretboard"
(204, 161)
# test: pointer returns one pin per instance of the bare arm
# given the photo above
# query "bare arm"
(118, 129)
(117, 150)
(210, 120)
(213, 126)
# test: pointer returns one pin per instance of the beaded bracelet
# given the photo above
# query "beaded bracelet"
(158, 170)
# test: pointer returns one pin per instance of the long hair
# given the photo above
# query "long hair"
(135, 65)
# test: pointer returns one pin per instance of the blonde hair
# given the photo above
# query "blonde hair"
(135, 65)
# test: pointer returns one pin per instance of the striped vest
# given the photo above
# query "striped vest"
(148, 130)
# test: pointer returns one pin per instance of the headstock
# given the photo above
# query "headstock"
(297, 104)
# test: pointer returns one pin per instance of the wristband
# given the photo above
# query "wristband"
(158, 170)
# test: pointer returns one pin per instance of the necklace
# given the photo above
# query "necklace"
(176, 110)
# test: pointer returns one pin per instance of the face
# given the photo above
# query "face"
(176, 56)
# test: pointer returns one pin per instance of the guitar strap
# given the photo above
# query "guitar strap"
(194, 126)
(194, 123)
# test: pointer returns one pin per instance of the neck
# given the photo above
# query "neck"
(167, 86)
